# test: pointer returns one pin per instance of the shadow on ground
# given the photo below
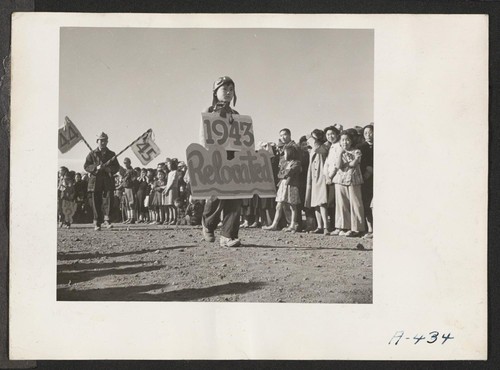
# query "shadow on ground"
(61, 256)
(359, 248)
(91, 266)
(80, 276)
(138, 293)
(106, 294)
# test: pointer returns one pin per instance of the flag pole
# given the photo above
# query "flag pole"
(128, 146)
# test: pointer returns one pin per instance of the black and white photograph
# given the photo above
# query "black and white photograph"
(202, 186)
(131, 226)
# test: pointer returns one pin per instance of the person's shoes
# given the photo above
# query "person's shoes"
(229, 243)
(132, 221)
(97, 228)
(342, 233)
(244, 225)
(335, 232)
(317, 231)
(127, 221)
(368, 236)
(208, 235)
(352, 234)
(270, 228)
(326, 232)
(107, 225)
(255, 225)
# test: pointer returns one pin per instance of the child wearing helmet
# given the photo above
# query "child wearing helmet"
(223, 94)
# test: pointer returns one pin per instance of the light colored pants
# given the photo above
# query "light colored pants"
(349, 212)
(69, 209)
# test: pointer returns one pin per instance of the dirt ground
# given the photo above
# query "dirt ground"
(173, 263)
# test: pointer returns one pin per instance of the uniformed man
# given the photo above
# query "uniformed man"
(101, 164)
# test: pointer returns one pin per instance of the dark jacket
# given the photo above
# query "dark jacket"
(103, 179)
(366, 156)
(290, 173)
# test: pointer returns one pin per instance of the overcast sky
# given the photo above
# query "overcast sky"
(125, 80)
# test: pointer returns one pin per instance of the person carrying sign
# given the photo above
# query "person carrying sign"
(223, 94)
(101, 164)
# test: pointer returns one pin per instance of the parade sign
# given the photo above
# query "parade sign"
(69, 136)
(212, 174)
(145, 148)
(234, 132)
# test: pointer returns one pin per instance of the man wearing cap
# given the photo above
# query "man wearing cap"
(285, 141)
(101, 164)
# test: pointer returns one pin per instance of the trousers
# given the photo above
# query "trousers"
(101, 205)
(349, 212)
(231, 209)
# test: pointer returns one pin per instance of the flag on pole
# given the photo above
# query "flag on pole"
(145, 148)
(69, 136)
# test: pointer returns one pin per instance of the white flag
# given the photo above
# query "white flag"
(145, 148)
(69, 136)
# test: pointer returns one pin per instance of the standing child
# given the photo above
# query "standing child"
(68, 198)
(150, 179)
(316, 194)
(156, 192)
(171, 192)
(288, 189)
(349, 212)
(142, 192)
(80, 198)
(60, 178)
(129, 201)
(222, 95)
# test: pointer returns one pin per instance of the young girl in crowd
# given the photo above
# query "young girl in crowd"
(60, 178)
(332, 136)
(150, 179)
(129, 201)
(171, 193)
(288, 189)
(68, 201)
(80, 198)
(118, 212)
(156, 192)
(316, 195)
(349, 213)
(142, 191)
